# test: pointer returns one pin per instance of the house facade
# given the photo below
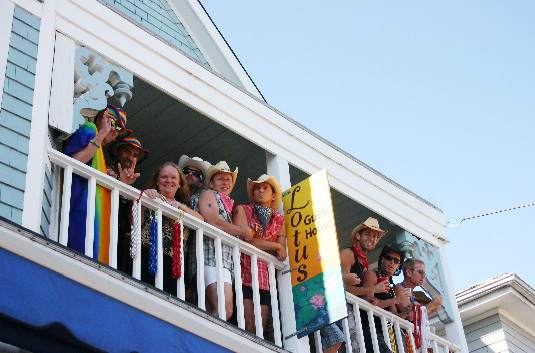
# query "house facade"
(499, 315)
(185, 92)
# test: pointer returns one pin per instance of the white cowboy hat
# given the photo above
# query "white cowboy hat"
(221, 166)
(186, 161)
(275, 204)
(371, 223)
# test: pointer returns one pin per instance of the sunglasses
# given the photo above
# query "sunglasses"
(422, 272)
(194, 172)
(393, 259)
(118, 128)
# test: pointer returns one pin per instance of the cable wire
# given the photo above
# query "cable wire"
(455, 224)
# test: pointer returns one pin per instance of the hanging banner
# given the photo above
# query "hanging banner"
(314, 255)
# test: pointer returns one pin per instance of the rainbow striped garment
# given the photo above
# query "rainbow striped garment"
(79, 189)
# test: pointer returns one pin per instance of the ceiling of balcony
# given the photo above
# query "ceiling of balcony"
(168, 129)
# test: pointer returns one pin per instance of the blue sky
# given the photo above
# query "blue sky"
(438, 96)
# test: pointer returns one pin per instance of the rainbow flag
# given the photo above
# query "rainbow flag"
(101, 243)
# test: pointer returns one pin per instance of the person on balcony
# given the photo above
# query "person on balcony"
(86, 145)
(216, 206)
(195, 170)
(167, 184)
(414, 276)
(389, 265)
(125, 154)
(354, 262)
(265, 196)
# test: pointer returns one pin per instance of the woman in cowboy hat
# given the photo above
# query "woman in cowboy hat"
(216, 206)
(261, 215)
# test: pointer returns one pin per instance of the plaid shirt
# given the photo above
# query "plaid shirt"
(271, 233)
(209, 244)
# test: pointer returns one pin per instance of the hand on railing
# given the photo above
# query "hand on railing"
(281, 253)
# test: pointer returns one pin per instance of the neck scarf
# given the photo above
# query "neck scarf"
(264, 214)
(361, 256)
(227, 201)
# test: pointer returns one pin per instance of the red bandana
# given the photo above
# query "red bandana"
(361, 256)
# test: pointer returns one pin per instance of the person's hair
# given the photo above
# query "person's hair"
(409, 264)
(182, 194)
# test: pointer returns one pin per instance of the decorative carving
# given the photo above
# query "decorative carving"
(95, 81)
(434, 283)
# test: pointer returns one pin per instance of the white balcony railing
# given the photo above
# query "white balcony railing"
(59, 232)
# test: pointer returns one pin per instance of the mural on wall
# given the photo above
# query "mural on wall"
(95, 81)
(434, 283)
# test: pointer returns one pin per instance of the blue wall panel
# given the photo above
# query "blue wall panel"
(158, 17)
(16, 113)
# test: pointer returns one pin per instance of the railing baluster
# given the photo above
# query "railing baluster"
(65, 205)
(274, 305)
(386, 336)
(256, 297)
(373, 332)
(136, 265)
(181, 287)
(317, 341)
(114, 225)
(159, 261)
(54, 210)
(435, 346)
(199, 251)
(90, 218)
(399, 338)
(238, 286)
(358, 323)
(347, 334)
(222, 310)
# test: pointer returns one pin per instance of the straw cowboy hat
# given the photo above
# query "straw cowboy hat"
(221, 166)
(186, 161)
(132, 141)
(275, 204)
(371, 223)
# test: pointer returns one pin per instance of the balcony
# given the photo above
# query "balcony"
(153, 299)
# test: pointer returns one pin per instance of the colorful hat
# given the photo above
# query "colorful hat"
(203, 166)
(120, 116)
(371, 223)
(132, 141)
(275, 204)
(221, 166)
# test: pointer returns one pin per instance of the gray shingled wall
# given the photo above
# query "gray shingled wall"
(16, 113)
(158, 17)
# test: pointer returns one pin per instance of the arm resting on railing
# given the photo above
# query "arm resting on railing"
(210, 211)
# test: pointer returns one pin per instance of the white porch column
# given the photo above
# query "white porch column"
(279, 168)
(35, 174)
(454, 329)
(6, 21)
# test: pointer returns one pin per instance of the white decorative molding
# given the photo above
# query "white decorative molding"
(95, 81)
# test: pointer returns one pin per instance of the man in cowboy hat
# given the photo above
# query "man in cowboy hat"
(195, 170)
(216, 206)
(414, 276)
(354, 262)
(265, 196)
(125, 154)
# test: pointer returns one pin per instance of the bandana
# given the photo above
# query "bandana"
(264, 214)
(361, 256)
(227, 201)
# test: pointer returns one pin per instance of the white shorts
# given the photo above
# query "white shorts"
(210, 275)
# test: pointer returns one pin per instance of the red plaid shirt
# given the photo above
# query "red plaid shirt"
(271, 233)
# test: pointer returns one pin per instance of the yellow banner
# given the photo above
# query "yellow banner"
(314, 255)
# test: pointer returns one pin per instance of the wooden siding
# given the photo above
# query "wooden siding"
(518, 340)
(158, 17)
(16, 112)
